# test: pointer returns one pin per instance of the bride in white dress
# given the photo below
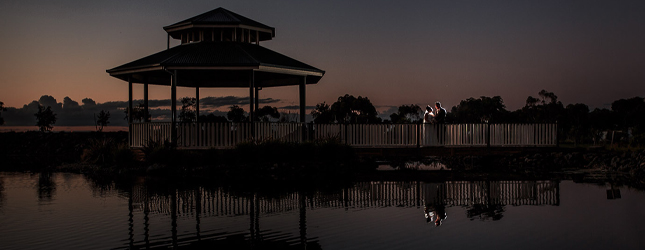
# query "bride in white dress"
(427, 120)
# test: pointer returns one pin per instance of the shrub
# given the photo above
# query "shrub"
(161, 152)
(123, 155)
(99, 151)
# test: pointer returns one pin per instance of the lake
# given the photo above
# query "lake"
(71, 211)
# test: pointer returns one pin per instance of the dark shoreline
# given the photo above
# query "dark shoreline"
(68, 152)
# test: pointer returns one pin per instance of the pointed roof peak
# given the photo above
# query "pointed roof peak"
(217, 18)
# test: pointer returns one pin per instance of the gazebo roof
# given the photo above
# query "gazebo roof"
(218, 64)
(219, 18)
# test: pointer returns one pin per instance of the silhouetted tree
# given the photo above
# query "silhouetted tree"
(188, 109)
(547, 109)
(354, 110)
(288, 117)
(532, 101)
(483, 109)
(45, 118)
(2, 108)
(263, 114)
(236, 114)
(322, 113)
(630, 112)
(138, 113)
(407, 114)
(102, 121)
(601, 120)
(548, 95)
(576, 122)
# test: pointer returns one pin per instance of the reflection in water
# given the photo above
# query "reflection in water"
(481, 199)
(613, 192)
(435, 202)
(486, 199)
(413, 165)
(149, 213)
(46, 187)
(1, 191)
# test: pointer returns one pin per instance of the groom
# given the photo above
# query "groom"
(439, 114)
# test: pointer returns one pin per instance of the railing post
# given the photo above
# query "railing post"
(304, 131)
(418, 135)
(535, 135)
(346, 140)
(310, 131)
(557, 135)
(488, 134)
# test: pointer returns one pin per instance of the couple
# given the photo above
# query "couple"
(438, 115)
(431, 122)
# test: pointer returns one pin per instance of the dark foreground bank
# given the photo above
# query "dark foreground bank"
(107, 153)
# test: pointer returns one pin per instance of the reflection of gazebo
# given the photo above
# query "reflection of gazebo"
(218, 49)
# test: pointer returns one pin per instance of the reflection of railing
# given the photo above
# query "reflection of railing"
(226, 135)
(219, 202)
(501, 193)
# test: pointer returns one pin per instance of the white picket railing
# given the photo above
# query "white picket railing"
(523, 134)
(227, 135)
(142, 133)
(466, 135)
(213, 135)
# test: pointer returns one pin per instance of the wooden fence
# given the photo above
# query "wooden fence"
(227, 135)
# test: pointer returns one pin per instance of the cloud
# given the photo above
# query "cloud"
(216, 102)
(87, 102)
(70, 113)
(295, 107)
(386, 111)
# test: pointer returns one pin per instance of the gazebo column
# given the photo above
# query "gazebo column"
(130, 136)
(251, 98)
(129, 100)
(196, 104)
(302, 99)
(146, 115)
(197, 127)
(173, 108)
(302, 107)
(257, 98)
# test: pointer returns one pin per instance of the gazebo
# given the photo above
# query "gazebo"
(219, 49)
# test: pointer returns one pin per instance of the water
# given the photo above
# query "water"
(70, 211)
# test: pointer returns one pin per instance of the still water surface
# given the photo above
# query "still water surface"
(70, 211)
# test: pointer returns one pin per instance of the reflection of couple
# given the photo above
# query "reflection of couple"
(436, 213)
(435, 208)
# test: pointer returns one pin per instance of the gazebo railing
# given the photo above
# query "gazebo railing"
(214, 135)
(227, 135)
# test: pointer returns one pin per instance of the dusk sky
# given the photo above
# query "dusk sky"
(394, 52)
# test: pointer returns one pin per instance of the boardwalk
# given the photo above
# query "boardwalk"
(227, 135)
